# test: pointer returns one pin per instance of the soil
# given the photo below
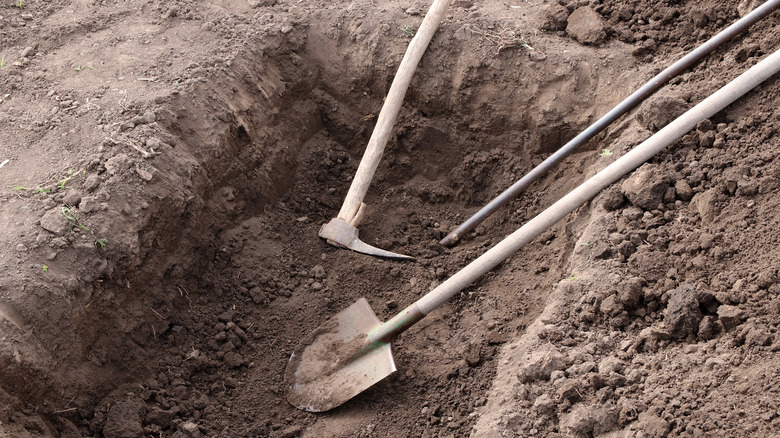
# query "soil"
(170, 163)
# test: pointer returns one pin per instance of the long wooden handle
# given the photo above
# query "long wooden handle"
(389, 113)
(590, 188)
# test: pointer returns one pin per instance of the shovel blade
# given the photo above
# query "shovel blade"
(335, 363)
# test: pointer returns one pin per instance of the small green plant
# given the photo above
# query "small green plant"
(584, 244)
(2, 61)
(21, 4)
(72, 219)
(409, 31)
(45, 268)
(606, 152)
(79, 68)
(61, 183)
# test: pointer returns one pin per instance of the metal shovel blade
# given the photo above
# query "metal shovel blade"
(335, 363)
(339, 232)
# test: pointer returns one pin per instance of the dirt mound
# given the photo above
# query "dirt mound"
(170, 165)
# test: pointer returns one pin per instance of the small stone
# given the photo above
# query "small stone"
(610, 306)
(682, 314)
(115, 165)
(144, 174)
(258, 295)
(730, 316)
(92, 182)
(555, 17)
(544, 405)
(316, 285)
(758, 336)
(292, 431)
(233, 359)
(287, 29)
(89, 204)
(73, 197)
(54, 222)
(473, 354)
(465, 4)
(153, 143)
(646, 187)
(496, 337)
(149, 116)
(541, 363)
(27, 52)
(653, 425)
(613, 199)
(660, 111)
(585, 26)
(157, 416)
(191, 430)
(570, 391)
(318, 272)
(21, 247)
(124, 420)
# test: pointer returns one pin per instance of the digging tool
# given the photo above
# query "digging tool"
(626, 105)
(352, 351)
(342, 230)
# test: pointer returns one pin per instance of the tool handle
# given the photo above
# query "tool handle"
(623, 107)
(590, 188)
(389, 113)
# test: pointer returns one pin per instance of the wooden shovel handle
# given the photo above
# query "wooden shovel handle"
(389, 113)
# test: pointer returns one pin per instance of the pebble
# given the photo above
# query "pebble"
(54, 222)
(318, 272)
(233, 359)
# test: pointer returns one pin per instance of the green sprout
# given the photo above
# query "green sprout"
(2, 61)
(606, 152)
(61, 183)
(21, 5)
(409, 31)
(45, 268)
(101, 243)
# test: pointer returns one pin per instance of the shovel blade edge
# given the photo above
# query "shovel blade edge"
(334, 363)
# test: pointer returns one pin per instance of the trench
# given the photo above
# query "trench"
(234, 274)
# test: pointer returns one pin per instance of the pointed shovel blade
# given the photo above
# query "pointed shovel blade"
(335, 363)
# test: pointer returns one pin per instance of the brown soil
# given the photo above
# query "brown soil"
(170, 164)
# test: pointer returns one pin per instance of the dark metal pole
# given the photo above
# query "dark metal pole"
(626, 105)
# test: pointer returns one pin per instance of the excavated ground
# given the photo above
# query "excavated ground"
(170, 166)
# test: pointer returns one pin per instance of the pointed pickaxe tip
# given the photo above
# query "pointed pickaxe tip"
(339, 232)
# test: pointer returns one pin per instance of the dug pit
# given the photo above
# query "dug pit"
(209, 200)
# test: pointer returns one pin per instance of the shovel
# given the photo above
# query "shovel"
(342, 230)
(352, 351)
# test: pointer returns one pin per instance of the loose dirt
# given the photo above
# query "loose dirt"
(169, 165)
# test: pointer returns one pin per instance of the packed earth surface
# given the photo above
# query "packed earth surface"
(166, 167)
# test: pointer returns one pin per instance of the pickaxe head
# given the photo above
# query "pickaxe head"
(339, 232)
